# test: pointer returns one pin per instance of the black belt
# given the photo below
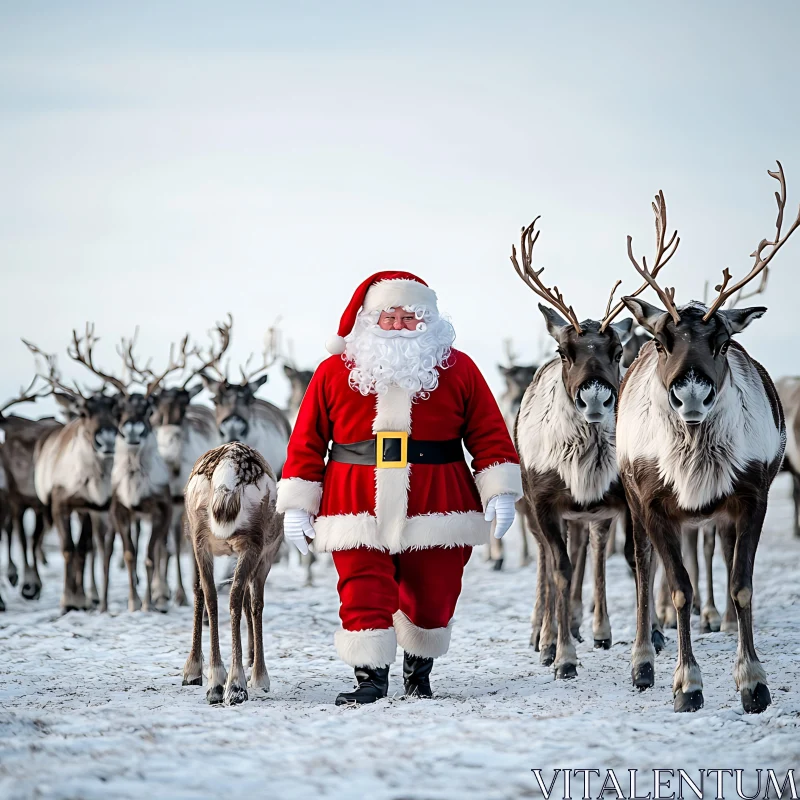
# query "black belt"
(392, 452)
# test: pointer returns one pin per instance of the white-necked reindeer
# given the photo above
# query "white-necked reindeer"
(565, 438)
(241, 417)
(73, 469)
(184, 432)
(230, 508)
(700, 438)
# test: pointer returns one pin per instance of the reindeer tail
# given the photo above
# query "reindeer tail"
(226, 499)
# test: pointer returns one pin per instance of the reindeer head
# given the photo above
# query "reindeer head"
(170, 404)
(692, 341)
(590, 351)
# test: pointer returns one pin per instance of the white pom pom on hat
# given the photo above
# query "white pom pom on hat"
(379, 291)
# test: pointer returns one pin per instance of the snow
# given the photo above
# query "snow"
(91, 705)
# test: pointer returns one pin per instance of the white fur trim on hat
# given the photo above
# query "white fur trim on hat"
(336, 345)
(368, 648)
(397, 293)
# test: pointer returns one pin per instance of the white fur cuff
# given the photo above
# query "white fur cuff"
(368, 648)
(498, 479)
(422, 642)
(297, 493)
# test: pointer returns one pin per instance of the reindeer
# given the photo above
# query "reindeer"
(700, 438)
(241, 417)
(517, 377)
(183, 432)
(230, 508)
(73, 468)
(565, 438)
(17, 465)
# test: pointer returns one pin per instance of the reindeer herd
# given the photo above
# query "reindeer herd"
(659, 425)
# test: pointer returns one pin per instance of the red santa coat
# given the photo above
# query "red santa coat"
(394, 509)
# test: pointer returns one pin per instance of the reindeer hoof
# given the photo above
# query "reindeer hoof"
(729, 626)
(688, 701)
(566, 672)
(575, 633)
(602, 644)
(235, 695)
(12, 575)
(498, 565)
(180, 597)
(659, 640)
(161, 605)
(134, 604)
(103, 607)
(547, 655)
(259, 683)
(754, 701)
(643, 676)
(198, 681)
(215, 694)
(31, 591)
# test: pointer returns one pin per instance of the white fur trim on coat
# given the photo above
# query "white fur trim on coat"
(349, 531)
(499, 479)
(422, 642)
(298, 493)
(399, 292)
(367, 648)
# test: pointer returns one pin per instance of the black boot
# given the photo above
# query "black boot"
(372, 683)
(417, 675)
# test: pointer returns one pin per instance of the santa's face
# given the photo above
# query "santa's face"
(398, 319)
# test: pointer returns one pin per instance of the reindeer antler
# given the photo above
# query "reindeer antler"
(82, 351)
(761, 261)
(145, 375)
(215, 351)
(53, 377)
(664, 252)
(530, 276)
(29, 394)
(268, 356)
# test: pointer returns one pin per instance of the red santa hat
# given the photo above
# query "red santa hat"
(378, 292)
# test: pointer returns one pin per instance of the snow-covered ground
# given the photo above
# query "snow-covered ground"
(91, 705)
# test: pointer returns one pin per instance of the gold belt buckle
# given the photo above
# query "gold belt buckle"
(380, 438)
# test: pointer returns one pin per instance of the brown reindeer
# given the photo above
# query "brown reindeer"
(230, 508)
(565, 438)
(700, 438)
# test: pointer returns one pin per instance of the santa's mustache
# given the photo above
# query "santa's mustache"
(403, 333)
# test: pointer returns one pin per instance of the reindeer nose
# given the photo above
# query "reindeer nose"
(692, 399)
(595, 401)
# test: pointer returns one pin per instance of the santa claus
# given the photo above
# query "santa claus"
(376, 475)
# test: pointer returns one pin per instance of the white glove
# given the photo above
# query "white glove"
(297, 528)
(501, 508)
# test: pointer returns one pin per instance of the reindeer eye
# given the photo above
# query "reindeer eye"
(724, 348)
(659, 347)
(618, 357)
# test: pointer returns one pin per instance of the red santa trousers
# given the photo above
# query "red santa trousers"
(407, 598)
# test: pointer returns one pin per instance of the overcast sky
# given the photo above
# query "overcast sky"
(162, 166)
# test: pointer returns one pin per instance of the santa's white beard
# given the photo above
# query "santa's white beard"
(409, 359)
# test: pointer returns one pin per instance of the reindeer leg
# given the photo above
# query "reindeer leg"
(525, 559)
(578, 539)
(161, 519)
(62, 521)
(643, 654)
(193, 669)
(566, 660)
(710, 619)
(727, 537)
(496, 553)
(599, 533)
(236, 685)
(796, 498)
(83, 548)
(692, 564)
(656, 628)
(666, 611)
(749, 674)
(11, 568)
(687, 683)
(177, 532)
(537, 615)
(247, 612)
(98, 535)
(259, 677)
(31, 581)
(217, 676)
(121, 521)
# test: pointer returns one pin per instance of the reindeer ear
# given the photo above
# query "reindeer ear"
(624, 329)
(737, 319)
(555, 322)
(195, 390)
(646, 315)
(258, 383)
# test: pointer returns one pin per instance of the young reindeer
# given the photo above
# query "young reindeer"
(73, 469)
(230, 508)
(700, 438)
(241, 417)
(183, 432)
(565, 438)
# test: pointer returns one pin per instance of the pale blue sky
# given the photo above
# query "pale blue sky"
(163, 166)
